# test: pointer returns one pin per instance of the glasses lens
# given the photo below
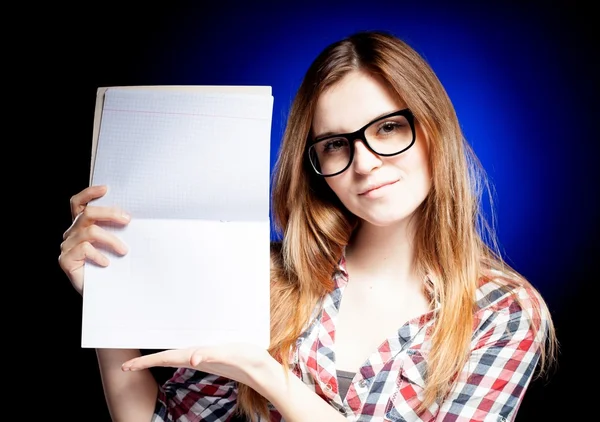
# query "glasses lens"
(330, 156)
(389, 135)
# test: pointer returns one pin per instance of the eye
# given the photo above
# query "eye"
(389, 127)
(333, 145)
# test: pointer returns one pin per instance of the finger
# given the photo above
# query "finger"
(94, 235)
(171, 358)
(91, 215)
(81, 199)
(73, 259)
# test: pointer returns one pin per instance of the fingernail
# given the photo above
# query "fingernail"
(125, 215)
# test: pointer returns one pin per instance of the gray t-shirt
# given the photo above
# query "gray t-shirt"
(344, 381)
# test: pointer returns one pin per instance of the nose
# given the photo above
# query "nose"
(365, 160)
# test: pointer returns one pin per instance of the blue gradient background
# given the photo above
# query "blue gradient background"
(523, 79)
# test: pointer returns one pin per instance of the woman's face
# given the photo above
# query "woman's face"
(379, 190)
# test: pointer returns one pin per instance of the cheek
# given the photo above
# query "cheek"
(417, 160)
(419, 175)
(337, 185)
(422, 167)
(423, 182)
(422, 151)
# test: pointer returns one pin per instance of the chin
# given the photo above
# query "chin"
(386, 215)
(385, 221)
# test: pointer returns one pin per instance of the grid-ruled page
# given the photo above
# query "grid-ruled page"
(192, 168)
(186, 154)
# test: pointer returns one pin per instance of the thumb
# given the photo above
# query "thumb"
(196, 358)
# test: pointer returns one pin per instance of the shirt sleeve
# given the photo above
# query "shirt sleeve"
(196, 396)
(492, 384)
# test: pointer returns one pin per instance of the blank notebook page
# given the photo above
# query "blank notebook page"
(192, 168)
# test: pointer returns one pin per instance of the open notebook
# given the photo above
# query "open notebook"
(191, 164)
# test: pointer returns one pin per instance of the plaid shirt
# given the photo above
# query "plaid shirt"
(388, 387)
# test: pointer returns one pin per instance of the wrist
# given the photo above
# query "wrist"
(294, 400)
(269, 378)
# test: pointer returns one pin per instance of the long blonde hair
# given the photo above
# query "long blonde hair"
(454, 243)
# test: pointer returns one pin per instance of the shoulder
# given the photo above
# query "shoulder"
(512, 303)
(497, 290)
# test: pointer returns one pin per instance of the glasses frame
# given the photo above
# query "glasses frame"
(360, 135)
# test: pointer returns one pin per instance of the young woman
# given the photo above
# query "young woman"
(386, 302)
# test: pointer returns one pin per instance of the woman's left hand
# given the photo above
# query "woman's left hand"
(245, 363)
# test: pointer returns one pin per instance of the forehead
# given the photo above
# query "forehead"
(351, 103)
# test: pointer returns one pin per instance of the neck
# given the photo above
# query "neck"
(384, 253)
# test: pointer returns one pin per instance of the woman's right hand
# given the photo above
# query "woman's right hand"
(82, 237)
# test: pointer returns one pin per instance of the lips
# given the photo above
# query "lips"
(376, 186)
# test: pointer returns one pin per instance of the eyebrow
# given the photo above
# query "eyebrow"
(330, 133)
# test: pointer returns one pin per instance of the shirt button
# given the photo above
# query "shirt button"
(362, 383)
(343, 410)
(328, 387)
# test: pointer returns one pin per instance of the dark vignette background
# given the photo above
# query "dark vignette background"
(523, 77)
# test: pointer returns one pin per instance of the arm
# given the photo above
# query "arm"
(245, 363)
(492, 384)
(130, 397)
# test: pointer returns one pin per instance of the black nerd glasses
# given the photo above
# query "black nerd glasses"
(385, 136)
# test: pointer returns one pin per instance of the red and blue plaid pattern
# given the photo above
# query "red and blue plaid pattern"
(388, 386)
